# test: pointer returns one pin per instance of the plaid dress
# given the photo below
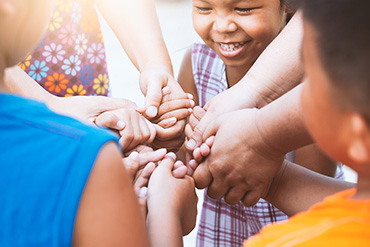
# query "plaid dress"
(70, 60)
(222, 224)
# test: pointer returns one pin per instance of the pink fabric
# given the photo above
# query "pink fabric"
(222, 224)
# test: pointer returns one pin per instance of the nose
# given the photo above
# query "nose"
(224, 24)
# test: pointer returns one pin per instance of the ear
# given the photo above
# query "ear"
(7, 7)
(359, 146)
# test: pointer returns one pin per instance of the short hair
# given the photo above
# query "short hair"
(342, 28)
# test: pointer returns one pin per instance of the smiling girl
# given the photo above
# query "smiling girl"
(234, 33)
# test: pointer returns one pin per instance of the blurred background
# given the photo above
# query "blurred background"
(175, 20)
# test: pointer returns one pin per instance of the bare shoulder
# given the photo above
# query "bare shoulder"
(108, 213)
(186, 78)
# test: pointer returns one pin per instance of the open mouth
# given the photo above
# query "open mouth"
(231, 47)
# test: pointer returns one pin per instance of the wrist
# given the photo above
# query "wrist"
(276, 183)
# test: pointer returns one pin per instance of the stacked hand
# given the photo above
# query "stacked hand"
(237, 164)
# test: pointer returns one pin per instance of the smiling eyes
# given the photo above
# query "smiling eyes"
(205, 10)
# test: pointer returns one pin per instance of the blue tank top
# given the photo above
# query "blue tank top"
(40, 186)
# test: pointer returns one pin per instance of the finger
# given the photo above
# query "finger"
(167, 123)
(217, 189)
(153, 132)
(210, 141)
(170, 133)
(154, 156)
(167, 162)
(175, 105)
(132, 136)
(142, 198)
(251, 198)
(234, 195)
(166, 90)
(145, 131)
(143, 179)
(197, 155)
(199, 112)
(131, 165)
(188, 131)
(127, 135)
(204, 129)
(110, 120)
(176, 96)
(204, 150)
(153, 98)
(202, 176)
(178, 114)
(193, 164)
(180, 172)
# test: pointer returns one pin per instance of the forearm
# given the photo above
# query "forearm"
(278, 69)
(164, 228)
(296, 188)
(18, 82)
(281, 124)
(136, 25)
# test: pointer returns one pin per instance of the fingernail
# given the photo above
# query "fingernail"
(190, 96)
(191, 144)
(170, 121)
(151, 111)
(121, 124)
(143, 192)
(134, 156)
(190, 110)
(172, 155)
(210, 140)
(161, 151)
(192, 102)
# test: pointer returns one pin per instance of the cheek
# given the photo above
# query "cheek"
(201, 26)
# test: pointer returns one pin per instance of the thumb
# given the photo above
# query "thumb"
(153, 96)
(211, 130)
(197, 137)
(168, 162)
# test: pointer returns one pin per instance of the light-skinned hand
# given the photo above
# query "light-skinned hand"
(171, 196)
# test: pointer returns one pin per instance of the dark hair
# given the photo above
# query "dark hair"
(342, 28)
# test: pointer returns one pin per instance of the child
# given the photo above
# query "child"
(335, 107)
(235, 34)
(84, 196)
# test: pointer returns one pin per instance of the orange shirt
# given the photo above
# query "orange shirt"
(337, 221)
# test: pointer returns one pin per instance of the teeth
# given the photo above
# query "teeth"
(231, 47)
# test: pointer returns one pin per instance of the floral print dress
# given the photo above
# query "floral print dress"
(70, 60)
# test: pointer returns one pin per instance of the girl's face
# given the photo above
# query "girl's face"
(238, 30)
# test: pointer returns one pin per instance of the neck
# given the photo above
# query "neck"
(235, 74)
(363, 182)
(363, 188)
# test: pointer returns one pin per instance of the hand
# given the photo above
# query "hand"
(133, 128)
(240, 165)
(173, 197)
(89, 108)
(227, 101)
(152, 81)
(171, 121)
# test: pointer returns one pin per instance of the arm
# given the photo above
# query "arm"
(143, 42)
(263, 137)
(257, 88)
(172, 205)
(109, 199)
(81, 107)
(296, 188)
